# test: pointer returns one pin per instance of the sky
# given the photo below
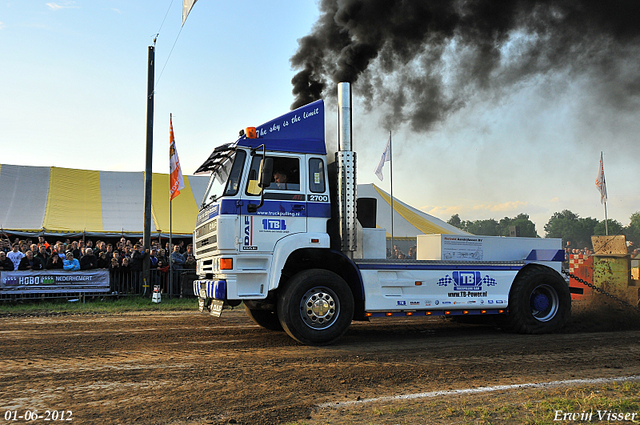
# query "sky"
(74, 95)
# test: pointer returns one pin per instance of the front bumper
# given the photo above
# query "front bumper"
(206, 288)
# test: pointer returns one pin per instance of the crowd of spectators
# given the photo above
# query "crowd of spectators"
(569, 249)
(87, 254)
(396, 253)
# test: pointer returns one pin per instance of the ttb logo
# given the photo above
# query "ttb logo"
(274, 224)
(467, 281)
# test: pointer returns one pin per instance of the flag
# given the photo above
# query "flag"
(186, 8)
(601, 184)
(175, 172)
(386, 157)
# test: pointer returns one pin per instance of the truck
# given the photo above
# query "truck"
(279, 231)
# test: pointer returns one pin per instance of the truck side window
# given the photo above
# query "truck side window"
(286, 174)
(316, 175)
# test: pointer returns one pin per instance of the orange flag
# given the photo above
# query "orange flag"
(175, 172)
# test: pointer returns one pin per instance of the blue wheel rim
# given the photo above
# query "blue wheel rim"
(544, 303)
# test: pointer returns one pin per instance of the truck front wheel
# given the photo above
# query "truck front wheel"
(315, 307)
(539, 302)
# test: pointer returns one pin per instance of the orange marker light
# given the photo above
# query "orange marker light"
(465, 312)
(251, 133)
(389, 314)
(369, 314)
(418, 283)
(226, 264)
(409, 313)
(447, 312)
(484, 311)
(428, 313)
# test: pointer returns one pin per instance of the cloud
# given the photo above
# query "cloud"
(475, 212)
(63, 5)
(1, 25)
(506, 206)
(443, 210)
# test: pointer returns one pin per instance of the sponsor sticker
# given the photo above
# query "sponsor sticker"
(274, 224)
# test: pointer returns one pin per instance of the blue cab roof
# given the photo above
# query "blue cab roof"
(298, 131)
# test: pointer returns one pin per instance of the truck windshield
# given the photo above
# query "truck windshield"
(225, 179)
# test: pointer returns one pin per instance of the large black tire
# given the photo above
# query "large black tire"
(539, 302)
(265, 318)
(315, 307)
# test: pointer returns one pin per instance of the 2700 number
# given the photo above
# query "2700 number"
(318, 198)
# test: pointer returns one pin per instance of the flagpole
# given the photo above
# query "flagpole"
(170, 289)
(170, 244)
(391, 181)
(606, 220)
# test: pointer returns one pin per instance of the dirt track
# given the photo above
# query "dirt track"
(190, 368)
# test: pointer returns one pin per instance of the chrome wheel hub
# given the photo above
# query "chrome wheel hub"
(319, 308)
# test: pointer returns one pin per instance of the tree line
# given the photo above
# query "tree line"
(566, 225)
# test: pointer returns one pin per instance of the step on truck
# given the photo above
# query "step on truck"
(279, 231)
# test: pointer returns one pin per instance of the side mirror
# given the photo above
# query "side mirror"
(264, 180)
(266, 172)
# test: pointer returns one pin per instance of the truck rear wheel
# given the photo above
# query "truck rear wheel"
(265, 318)
(539, 302)
(315, 307)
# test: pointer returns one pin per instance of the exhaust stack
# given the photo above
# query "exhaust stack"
(346, 161)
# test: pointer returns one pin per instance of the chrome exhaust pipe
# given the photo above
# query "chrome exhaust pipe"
(346, 160)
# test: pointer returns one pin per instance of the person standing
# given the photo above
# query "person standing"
(54, 262)
(43, 254)
(29, 262)
(15, 255)
(88, 260)
(6, 265)
(70, 263)
(177, 259)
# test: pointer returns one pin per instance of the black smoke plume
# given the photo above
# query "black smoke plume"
(424, 59)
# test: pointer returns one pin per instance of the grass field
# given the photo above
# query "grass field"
(96, 305)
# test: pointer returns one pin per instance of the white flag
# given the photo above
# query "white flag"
(601, 184)
(386, 157)
(186, 8)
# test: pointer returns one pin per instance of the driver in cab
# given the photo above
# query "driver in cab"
(280, 178)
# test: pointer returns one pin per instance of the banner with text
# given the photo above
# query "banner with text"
(54, 281)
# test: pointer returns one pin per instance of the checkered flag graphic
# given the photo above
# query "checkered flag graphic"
(489, 281)
(445, 281)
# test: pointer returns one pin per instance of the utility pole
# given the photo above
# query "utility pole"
(148, 173)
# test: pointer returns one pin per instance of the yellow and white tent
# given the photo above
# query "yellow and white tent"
(408, 222)
(66, 201)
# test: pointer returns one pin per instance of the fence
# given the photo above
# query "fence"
(44, 284)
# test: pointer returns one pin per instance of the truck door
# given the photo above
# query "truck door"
(284, 211)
